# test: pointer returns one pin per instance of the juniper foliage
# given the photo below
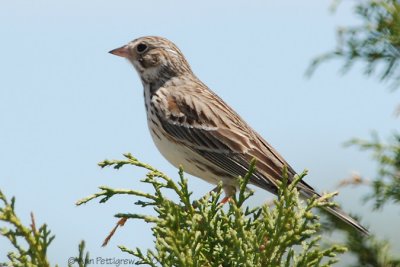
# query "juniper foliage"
(29, 242)
(386, 186)
(375, 41)
(204, 233)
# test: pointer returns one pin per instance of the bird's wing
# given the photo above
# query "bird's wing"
(206, 124)
(212, 129)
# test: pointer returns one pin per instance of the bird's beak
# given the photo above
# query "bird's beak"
(122, 51)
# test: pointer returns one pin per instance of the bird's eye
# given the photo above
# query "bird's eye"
(141, 48)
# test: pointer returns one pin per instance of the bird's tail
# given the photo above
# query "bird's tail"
(307, 192)
(344, 217)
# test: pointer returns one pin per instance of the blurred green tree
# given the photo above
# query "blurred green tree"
(375, 42)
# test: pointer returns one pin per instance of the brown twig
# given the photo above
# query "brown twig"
(121, 223)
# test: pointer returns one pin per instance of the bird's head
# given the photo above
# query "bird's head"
(154, 58)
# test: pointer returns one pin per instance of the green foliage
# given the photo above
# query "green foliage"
(33, 252)
(376, 41)
(371, 252)
(30, 243)
(368, 251)
(204, 233)
(83, 259)
(386, 186)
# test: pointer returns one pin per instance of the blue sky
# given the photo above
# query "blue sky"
(66, 104)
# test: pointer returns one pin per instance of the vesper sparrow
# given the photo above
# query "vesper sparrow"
(193, 127)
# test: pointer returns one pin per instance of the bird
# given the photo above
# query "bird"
(194, 128)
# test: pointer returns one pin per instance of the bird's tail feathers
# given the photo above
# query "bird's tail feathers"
(344, 217)
(335, 211)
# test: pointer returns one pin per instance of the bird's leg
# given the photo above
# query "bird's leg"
(224, 200)
(229, 192)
